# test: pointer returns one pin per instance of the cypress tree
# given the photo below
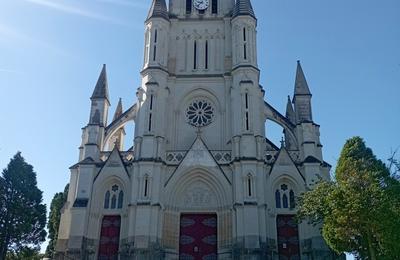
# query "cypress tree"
(22, 213)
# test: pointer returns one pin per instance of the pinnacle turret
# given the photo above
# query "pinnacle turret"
(158, 9)
(243, 7)
(118, 110)
(290, 111)
(301, 86)
(101, 89)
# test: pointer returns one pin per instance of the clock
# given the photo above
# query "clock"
(201, 4)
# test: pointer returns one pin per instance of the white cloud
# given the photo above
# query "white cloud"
(143, 4)
(9, 71)
(14, 37)
(74, 11)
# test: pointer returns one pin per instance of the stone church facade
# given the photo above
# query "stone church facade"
(201, 180)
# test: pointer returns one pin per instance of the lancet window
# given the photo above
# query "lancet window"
(244, 43)
(249, 186)
(214, 6)
(146, 183)
(246, 112)
(189, 6)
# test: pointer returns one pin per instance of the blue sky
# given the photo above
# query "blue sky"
(51, 52)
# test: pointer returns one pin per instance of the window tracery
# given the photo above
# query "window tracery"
(285, 197)
(200, 113)
(114, 198)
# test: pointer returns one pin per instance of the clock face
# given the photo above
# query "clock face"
(201, 4)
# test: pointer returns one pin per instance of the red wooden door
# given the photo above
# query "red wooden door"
(288, 237)
(109, 238)
(198, 237)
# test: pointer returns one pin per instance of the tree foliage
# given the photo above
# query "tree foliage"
(25, 253)
(22, 213)
(394, 165)
(360, 210)
(53, 223)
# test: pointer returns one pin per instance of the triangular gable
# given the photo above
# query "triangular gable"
(284, 160)
(198, 156)
(113, 161)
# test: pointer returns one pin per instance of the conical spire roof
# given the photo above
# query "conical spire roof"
(101, 89)
(158, 9)
(118, 110)
(290, 111)
(301, 86)
(243, 7)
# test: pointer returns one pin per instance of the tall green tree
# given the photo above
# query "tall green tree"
(22, 213)
(25, 254)
(53, 223)
(360, 210)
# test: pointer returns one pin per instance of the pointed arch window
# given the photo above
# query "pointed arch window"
(154, 53)
(246, 115)
(146, 187)
(155, 45)
(120, 199)
(113, 201)
(278, 199)
(206, 56)
(292, 200)
(146, 47)
(151, 104)
(214, 6)
(107, 200)
(249, 184)
(244, 43)
(189, 6)
(195, 55)
(114, 198)
(285, 201)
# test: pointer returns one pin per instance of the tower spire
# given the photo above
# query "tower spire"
(302, 97)
(290, 111)
(158, 9)
(301, 86)
(101, 89)
(243, 7)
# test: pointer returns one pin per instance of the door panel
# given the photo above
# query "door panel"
(288, 237)
(198, 237)
(109, 238)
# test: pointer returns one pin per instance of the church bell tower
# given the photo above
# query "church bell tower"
(200, 179)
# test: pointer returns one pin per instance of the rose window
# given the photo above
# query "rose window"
(200, 113)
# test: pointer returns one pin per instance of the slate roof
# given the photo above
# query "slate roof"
(101, 89)
(158, 9)
(243, 7)
(311, 159)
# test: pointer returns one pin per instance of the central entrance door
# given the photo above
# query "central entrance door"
(198, 237)
(288, 237)
(109, 238)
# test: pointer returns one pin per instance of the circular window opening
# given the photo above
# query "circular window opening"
(200, 113)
